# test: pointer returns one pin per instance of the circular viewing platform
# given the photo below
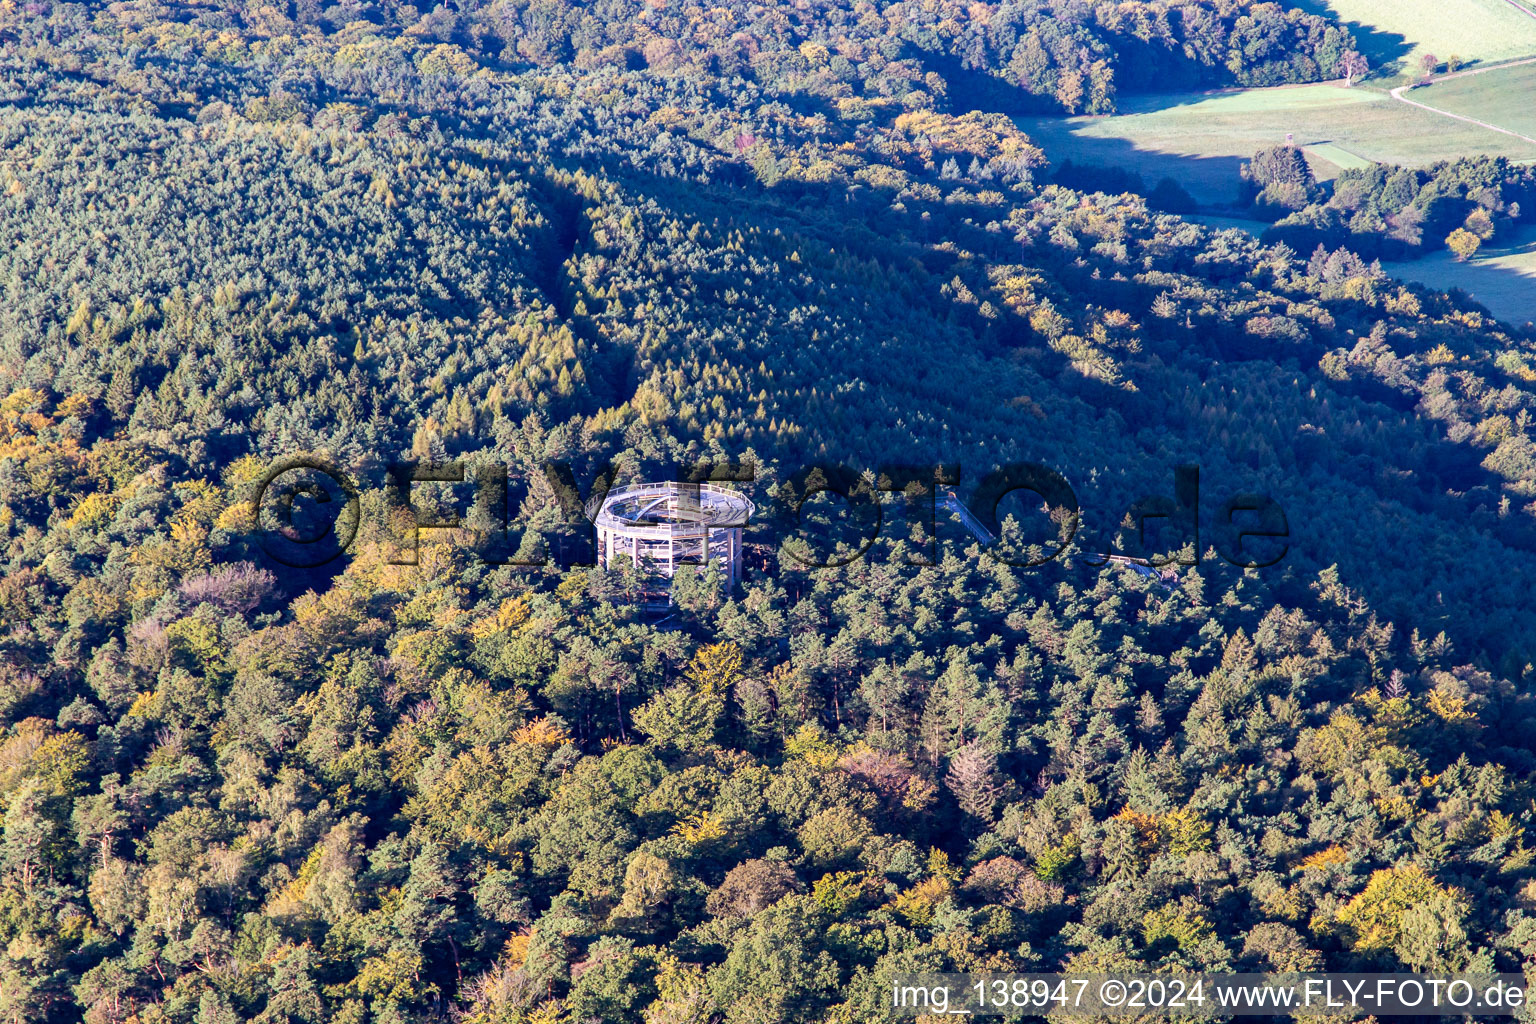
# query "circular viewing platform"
(662, 527)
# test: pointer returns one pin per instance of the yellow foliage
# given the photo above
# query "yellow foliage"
(187, 534)
(57, 760)
(106, 605)
(918, 903)
(289, 900)
(1501, 825)
(810, 744)
(715, 668)
(512, 614)
(74, 405)
(150, 582)
(681, 994)
(572, 586)
(184, 553)
(329, 617)
(467, 802)
(1404, 302)
(199, 638)
(1186, 928)
(1322, 860)
(1186, 832)
(23, 400)
(1396, 806)
(244, 471)
(447, 59)
(551, 1011)
(146, 705)
(380, 191)
(881, 176)
(1344, 740)
(201, 504)
(1146, 828)
(541, 732)
(940, 867)
(238, 517)
(1375, 915)
(1463, 243)
(394, 975)
(415, 648)
(1280, 902)
(515, 952)
(1055, 862)
(1449, 707)
(17, 750)
(838, 891)
(94, 510)
(698, 829)
(978, 134)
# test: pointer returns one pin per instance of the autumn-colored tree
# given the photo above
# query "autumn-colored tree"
(1463, 243)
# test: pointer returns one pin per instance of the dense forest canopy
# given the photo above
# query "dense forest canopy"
(649, 235)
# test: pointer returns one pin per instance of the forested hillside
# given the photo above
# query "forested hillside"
(645, 236)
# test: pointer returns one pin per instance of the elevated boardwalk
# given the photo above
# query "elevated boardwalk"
(1166, 578)
(951, 501)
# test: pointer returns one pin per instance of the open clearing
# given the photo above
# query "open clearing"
(1201, 139)
(1340, 157)
(1503, 96)
(1399, 32)
(1501, 277)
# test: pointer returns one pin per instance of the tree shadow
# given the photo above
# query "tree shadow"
(1428, 485)
(1212, 181)
(1384, 50)
(1503, 290)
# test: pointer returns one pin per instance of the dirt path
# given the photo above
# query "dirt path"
(1397, 93)
(1522, 8)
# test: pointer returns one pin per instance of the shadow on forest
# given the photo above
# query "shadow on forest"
(1433, 477)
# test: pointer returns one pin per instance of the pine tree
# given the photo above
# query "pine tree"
(121, 393)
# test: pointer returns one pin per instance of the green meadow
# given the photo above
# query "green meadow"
(1201, 139)
(1338, 156)
(1395, 34)
(1502, 96)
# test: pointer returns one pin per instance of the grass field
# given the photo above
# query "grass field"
(1503, 97)
(1201, 139)
(1338, 156)
(1502, 277)
(1398, 32)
